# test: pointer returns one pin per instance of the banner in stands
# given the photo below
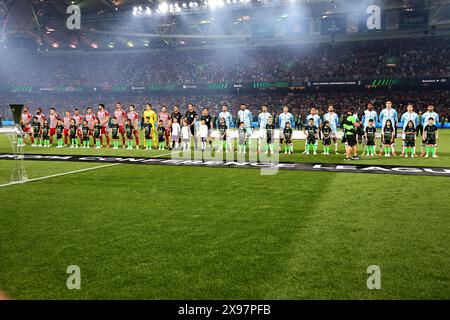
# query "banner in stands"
(354, 167)
(375, 83)
(413, 19)
(331, 25)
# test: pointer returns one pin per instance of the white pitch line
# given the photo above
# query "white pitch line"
(59, 174)
(160, 155)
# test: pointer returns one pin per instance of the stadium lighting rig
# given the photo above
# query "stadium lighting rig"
(173, 8)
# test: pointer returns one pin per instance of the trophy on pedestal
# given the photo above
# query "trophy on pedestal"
(16, 138)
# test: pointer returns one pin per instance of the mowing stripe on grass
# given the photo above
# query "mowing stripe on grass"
(59, 174)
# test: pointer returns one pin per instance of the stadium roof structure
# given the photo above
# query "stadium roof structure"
(130, 25)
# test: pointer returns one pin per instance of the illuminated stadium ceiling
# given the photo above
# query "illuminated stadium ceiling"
(119, 25)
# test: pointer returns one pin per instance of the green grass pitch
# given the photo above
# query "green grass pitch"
(158, 232)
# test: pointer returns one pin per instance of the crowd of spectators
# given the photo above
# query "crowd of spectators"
(357, 60)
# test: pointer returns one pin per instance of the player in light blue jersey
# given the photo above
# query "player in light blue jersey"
(227, 116)
(389, 113)
(409, 115)
(369, 114)
(263, 119)
(245, 116)
(316, 121)
(333, 121)
(427, 115)
(284, 118)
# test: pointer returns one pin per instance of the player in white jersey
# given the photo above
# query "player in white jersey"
(427, 115)
(333, 121)
(54, 117)
(66, 123)
(369, 114)
(263, 118)
(26, 119)
(121, 116)
(409, 115)
(316, 122)
(103, 119)
(134, 117)
(389, 113)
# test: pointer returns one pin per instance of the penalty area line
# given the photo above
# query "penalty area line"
(59, 174)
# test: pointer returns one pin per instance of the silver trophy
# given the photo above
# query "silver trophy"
(17, 139)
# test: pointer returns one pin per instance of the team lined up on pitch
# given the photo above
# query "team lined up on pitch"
(174, 131)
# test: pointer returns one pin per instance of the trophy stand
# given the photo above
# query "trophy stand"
(16, 137)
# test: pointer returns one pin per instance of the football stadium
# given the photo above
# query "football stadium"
(225, 150)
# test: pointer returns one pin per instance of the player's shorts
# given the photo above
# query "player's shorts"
(36, 135)
(27, 130)
(52, 131)
(370, 142)
(311, 140)
(204, 139)
(130, 136)
(148, 137)
(122, 130)
(387, 141)
(161, 139)
(288, 140)
(430, 141)
(104, 130)
(86, 138)
(115, 136)
(175, 137)
(261, 133)
(66, 132)
(269, 140)
(192, 127)
(410, 144)
(59, 136)
(97, 136)
(326, 141)
(351, 140)
(79, 133)
(248, 131)
(241, 141)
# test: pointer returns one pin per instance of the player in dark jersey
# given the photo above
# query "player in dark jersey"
(59, 133)
(148, 133)
(85, 133)
(115, 130)
(161, 135)
(191, 117)
(97, 133)
(370, 136)
(430, 135)
(222, 135)
(287, 133)
(37, 132)
(387, 138)
(410, 139)
(129, 129)
(270, 133)
(73, 134)
(311, 132)
(46, 134)
(326, 137)
(242, 136)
